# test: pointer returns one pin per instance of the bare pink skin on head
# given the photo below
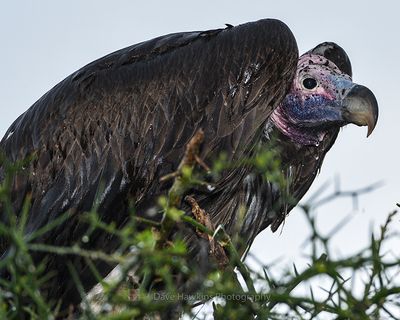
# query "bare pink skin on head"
(318, 67)
(308, 109)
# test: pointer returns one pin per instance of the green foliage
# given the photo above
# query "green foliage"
(151, 268)
(265, 161)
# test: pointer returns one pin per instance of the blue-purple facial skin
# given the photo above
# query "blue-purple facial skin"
(306, 114)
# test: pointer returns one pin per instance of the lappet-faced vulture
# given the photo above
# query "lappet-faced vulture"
(119, 124)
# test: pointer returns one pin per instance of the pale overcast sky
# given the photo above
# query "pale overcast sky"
(42, 42)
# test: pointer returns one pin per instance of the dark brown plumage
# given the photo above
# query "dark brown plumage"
(123, 121)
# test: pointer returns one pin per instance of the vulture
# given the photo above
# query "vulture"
(106, 134)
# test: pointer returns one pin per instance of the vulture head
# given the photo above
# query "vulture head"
(323, 98)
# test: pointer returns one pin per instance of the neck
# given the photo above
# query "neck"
(302, 136)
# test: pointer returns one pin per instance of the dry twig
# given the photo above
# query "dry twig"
(216, 249)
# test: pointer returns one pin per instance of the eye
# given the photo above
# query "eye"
(310, 83)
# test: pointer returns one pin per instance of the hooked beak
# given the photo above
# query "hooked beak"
(360, 107)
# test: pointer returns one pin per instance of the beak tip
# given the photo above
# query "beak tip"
(370, 130)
